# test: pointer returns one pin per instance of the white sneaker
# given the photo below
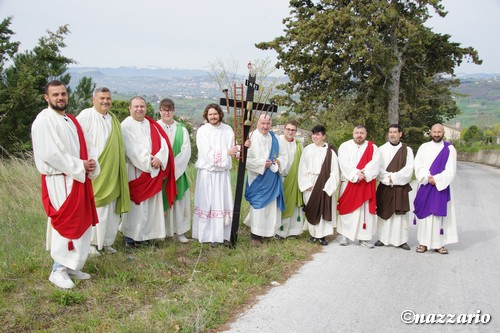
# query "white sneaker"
(60, 278)
(182, 239)
(79, 275)
(94, 252)
(109, 250)
(366, 244)
(344, 241)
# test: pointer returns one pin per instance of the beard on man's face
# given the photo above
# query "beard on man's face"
(57, 107)
(437, 138)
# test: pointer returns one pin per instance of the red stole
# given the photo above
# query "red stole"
(355, 194)
(78, 212)
(145, 187)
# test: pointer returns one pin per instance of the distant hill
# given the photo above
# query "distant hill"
(479, 100)
(160, 82)
(141, 72)
(478, 95)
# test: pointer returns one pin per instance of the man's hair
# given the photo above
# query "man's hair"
(53, 83)
(319, 129)
(137, 97)
(360, 126)
(167, 103)
(293, 123)
(101, 90)
(396, 126)
(216, 107)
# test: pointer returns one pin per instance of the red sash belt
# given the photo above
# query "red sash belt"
(78, 211)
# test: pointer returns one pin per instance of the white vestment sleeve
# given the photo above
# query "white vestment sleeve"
(333, 182)
(444, 179)
(51, 152)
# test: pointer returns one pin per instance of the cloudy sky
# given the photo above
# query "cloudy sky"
(192, 33)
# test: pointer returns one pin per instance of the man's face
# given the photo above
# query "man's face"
(213, 117)
(102, 102)
(264, 124)
(137, 109)
(167, 115)
(318, 138)
(57, 98)
(394, 135)
(359, 135)
(290, 131)
(437, 133)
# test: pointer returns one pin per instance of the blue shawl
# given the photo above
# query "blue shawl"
(268, 186)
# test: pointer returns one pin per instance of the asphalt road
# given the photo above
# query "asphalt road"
(354, 289)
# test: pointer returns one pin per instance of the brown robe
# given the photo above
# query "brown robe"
(320, 203)
(394, 199)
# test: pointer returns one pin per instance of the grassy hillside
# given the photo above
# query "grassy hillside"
(163, 287)
(479, 101)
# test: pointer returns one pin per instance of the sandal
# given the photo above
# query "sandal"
(421, 248)
(441, 250)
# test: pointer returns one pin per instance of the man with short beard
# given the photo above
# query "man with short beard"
(359, 164)
(435, 169)
(67, 162)
(111, 192)
(213, 197)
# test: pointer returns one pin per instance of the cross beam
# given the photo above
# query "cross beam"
(249, 107)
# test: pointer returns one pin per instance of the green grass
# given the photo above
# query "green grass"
(164, 287)
(474, 148)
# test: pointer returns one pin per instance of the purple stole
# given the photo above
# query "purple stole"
(428, 199)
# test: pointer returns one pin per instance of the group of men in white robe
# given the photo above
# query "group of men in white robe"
(363, 209)
(393, 165)
(139, 176)
(70, 151)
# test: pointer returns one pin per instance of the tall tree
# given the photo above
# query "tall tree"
(374, 58)
(22, 85)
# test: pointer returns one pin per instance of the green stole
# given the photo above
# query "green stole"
(293, 196)
(182, 183)
(112, 182)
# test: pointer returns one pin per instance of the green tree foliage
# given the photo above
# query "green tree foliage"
(22, 84)
(368, 61)
(81, 97)
(7, 48)
(473, 134)
(121, 109)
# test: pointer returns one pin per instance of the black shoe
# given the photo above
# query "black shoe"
(379, 243)
(312, 239)
(131, 245)
(278, 237)
(405, 246)
(323, 242)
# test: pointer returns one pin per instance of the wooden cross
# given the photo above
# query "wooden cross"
(249, 108)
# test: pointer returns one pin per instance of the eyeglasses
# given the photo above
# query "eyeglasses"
(167, 111)
(290, 130)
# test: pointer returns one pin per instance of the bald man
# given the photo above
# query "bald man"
(435, 169)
